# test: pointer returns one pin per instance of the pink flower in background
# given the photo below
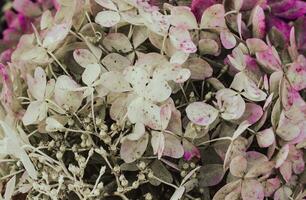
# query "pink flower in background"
(19, 22)
(198, 7)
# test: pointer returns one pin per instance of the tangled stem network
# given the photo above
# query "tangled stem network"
(138, 99)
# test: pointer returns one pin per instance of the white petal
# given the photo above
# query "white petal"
(231, 104)
(65, 93)
(53, 125)
(138, 132)
(157, 90)
(84, 57)
(36, 111)
(201, 113)
(181, 39)
(107, 4)
(145, 112)
(114, 81)
(158, 143)
(37, 84)
(91, 73)
(133, 150)
(56, 35)
(107, 18)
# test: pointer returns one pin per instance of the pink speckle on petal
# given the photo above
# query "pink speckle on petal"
(188, 46)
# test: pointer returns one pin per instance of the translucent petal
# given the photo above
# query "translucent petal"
(201, 113)
(37, 84)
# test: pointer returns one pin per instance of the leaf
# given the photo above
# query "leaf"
(258, 22)
(200, 69)
(161, 172)
(210, 175)
(10, 188)
(201, 113)
(265, 137)
(107, 4)
(230, 104)
(228, 40)
(114, 81)
(133, 150)
(178, 194)
(173, 147)
(181, 40)
(84, 57)
(37, 84)
(107, 18)
(36, 112)
(183, 17)
(91, 73)
(158, 143)
(238, 166)
(282, 156)
(213, 18)
(252, 190)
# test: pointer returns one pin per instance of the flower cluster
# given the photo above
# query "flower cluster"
(117, 99)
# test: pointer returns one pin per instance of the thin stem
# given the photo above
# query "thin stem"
(93, 110)
(59, 63)
(163, 45)
(216, 139)
(162, 181)
(88, 18)
(183, 91)
(12, 174)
